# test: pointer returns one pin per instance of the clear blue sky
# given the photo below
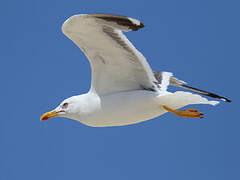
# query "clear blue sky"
(197, 40)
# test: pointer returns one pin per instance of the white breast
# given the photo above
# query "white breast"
(121, 109)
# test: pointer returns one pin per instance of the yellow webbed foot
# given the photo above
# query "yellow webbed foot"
(191, 113)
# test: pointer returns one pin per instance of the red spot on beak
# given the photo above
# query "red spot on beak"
(48, 115)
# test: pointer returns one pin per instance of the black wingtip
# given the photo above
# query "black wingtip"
(226, 100)
(141, 25)
(121, 20)
(219, 97)
(206, 93)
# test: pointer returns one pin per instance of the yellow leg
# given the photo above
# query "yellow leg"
(192, 113)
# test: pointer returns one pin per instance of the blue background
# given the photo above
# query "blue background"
(197, 40)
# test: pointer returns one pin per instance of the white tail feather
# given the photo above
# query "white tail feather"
(181, 98)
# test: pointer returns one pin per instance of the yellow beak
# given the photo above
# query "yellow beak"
(48, 115)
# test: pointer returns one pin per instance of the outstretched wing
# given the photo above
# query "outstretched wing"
(116, 64)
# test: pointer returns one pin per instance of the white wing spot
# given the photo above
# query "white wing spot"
(134, 21)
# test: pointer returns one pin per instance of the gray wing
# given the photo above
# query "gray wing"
(116, 64)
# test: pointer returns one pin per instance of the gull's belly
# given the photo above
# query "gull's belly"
(123, 108)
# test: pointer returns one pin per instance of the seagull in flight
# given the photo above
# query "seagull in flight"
(124, 89)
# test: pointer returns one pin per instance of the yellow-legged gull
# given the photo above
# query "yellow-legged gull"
(124, 88)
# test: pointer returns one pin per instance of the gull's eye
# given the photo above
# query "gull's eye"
(65, 105)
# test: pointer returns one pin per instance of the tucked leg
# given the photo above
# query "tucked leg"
(192, 113)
